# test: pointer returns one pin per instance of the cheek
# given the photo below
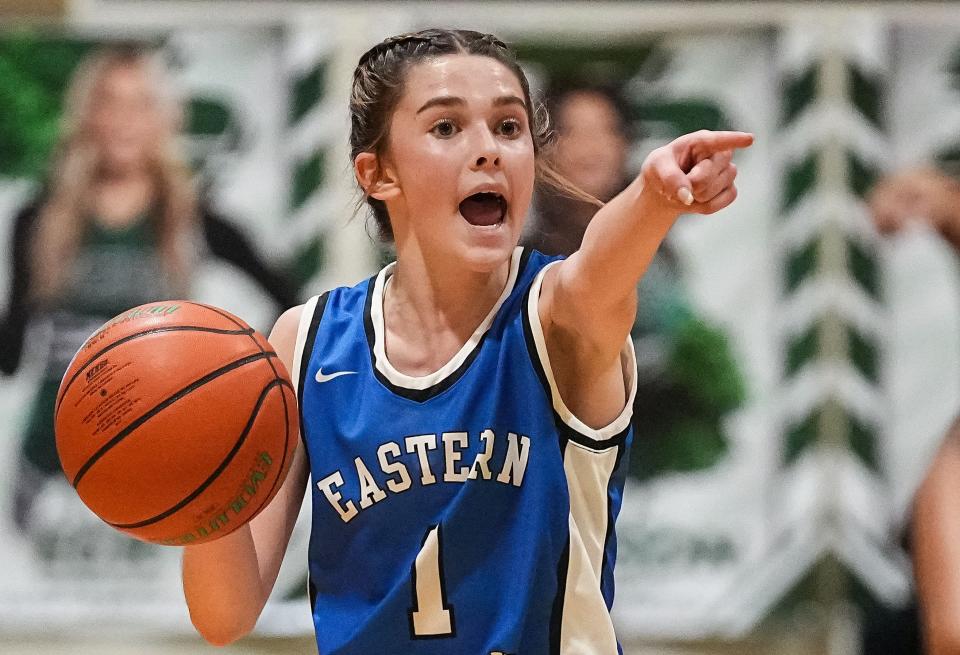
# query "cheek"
(426, 169)
(523, 168)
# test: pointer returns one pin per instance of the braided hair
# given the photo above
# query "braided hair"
(378, 86)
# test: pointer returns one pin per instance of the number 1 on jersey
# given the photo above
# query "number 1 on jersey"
(430, 616)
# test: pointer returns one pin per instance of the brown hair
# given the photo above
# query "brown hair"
(378, 85)
(64, 216)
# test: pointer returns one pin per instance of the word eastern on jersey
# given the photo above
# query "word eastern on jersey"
(399, 479)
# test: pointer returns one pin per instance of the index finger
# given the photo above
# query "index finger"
(706, 143)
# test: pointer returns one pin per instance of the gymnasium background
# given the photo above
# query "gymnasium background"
(768, 521)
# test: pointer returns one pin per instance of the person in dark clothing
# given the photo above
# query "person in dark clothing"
(221, 238)
(118, 224)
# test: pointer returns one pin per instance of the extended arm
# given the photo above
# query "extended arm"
(227, 582)
(588, 302)
(230, 244)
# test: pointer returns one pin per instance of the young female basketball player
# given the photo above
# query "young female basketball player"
(465, 412)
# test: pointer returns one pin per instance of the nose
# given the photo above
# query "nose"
(487, 152)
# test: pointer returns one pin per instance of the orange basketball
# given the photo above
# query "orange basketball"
(176, 422)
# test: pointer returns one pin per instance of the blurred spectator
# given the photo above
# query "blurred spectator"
(591, 151)
(929, 197)
(687, 380)
(118, 224)
(923, 195)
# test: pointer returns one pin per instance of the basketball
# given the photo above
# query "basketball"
(176, 422)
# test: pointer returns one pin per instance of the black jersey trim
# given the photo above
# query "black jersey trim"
(565, 432)
(532, 348)
(567, 421)
(556, 614)
(611, 524)
(569, 434)
(524, 260)
(311, 595)
(425, 394)
(305, 354)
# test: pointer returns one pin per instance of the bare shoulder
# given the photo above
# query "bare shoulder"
(283, 336)
(288, 323)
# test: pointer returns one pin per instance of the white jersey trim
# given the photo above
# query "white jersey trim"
(399, 379)
(628, 360)
(306, 317)
(586, 626)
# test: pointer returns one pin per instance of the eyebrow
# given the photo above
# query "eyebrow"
(456, 101)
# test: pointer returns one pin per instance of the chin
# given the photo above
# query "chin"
(486, 249)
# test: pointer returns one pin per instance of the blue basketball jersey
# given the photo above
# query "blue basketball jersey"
(464, 512)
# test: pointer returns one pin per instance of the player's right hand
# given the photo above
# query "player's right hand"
(694, 173)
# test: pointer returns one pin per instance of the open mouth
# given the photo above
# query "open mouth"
(484, 209)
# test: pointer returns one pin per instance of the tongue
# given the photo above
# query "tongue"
(482, 209)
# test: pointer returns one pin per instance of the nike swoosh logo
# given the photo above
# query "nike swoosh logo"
(326, 377)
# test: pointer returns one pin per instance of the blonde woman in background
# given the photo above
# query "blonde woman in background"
(118, 224)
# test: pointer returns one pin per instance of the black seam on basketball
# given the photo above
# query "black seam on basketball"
(216, 310)
(216, 473)
(250, 334)
(239, 323)
(283, 396)
(286, 442)
(137, 335)
(120, 436)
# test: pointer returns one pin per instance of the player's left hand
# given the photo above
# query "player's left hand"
(695, 172)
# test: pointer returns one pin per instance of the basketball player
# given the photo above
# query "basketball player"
(466, 411)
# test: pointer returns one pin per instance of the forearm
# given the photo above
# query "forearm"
(226, 582)
(223, 587)
(620, 243)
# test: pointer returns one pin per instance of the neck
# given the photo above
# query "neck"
(432, 307)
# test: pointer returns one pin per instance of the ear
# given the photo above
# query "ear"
(377, 181)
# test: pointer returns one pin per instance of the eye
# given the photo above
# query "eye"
(510, 128)
(444, 128)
